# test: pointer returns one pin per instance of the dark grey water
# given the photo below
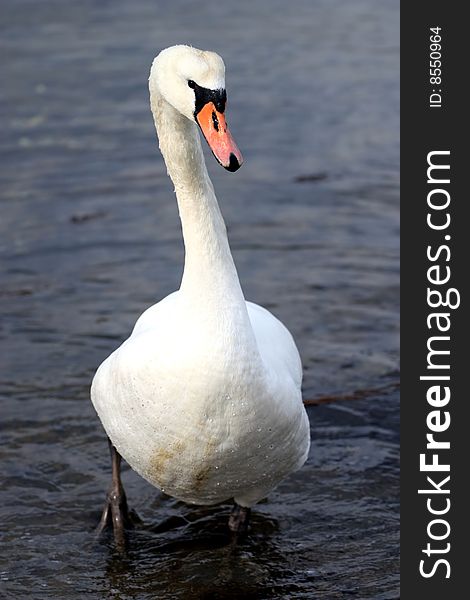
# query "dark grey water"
(89, 237)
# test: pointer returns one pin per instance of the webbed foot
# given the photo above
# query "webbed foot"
(116, 512)
(239, 519)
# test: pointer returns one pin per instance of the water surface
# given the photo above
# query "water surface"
(89, 236)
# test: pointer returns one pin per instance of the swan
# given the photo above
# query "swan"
(203, 400)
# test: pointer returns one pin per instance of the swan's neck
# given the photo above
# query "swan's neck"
(210, 278)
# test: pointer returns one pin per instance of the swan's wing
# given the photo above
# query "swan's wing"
(275, 343)
(152, 317)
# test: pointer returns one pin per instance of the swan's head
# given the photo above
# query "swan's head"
(193, 82)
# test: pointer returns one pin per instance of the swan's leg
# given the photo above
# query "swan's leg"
(239, 519)
(115, 510)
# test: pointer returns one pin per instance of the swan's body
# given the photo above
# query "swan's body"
(203, 399)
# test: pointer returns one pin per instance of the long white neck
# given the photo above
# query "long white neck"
(210, 281)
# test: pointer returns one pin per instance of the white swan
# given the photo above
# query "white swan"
(203, 400)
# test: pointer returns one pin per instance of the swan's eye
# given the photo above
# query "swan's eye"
(191, 83)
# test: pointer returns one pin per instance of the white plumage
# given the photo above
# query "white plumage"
(203, 399)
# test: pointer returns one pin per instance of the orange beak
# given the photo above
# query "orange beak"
(215, 130)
